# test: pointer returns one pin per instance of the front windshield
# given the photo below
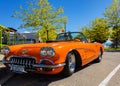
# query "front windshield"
(71, 36)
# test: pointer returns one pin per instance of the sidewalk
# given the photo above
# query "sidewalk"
(1, 57)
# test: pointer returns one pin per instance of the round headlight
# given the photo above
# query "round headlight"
(5, 50)
(47, 51)
(43, 51)
(50, 52)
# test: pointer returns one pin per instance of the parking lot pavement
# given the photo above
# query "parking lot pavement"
(91, 75)
(115, 81)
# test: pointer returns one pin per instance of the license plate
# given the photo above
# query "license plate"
(17, 68)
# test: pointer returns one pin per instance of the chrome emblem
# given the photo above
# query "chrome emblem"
(25, 51)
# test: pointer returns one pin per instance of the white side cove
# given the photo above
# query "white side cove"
(107, 79)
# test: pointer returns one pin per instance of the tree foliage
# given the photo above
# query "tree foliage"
(87, 31)
(41, 17)
(98, 31)
(112, 14)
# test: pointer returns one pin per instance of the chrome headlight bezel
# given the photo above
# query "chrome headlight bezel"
(5, 50)
(43, 51)
(50, 52)
(47, 51)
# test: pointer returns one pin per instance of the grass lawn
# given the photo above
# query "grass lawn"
(112, 49)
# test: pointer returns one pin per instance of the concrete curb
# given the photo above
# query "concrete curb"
(5, 75)
(6, 78)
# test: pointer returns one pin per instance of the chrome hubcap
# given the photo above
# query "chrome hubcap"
(72, 62)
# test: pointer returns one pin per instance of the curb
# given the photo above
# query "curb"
(5, 79)
(5, 75)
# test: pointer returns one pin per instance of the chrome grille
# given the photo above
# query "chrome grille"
(25, 61)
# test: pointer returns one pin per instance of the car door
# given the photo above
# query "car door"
(89, 49)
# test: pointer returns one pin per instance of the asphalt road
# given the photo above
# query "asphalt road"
(91, 75)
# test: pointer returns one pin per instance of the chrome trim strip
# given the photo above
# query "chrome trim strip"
(85, 49)
(49, 66)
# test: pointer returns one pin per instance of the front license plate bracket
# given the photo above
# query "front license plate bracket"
(18, 68)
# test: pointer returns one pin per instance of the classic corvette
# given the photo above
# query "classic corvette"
(68, 52)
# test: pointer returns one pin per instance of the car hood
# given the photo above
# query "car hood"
(39, 45)
(19, 49)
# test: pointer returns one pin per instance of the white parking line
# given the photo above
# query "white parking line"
(107, 79)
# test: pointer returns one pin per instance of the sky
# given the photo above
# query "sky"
(79, 12)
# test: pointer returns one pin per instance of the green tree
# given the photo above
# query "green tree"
(98, 31)
(41, 17)
(0, 38)
(112, 14)
(87, 31)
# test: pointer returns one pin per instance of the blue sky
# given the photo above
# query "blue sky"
(79, 12)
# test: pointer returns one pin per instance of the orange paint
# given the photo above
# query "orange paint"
(87, 52)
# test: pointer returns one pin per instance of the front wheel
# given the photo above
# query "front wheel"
(69, 68)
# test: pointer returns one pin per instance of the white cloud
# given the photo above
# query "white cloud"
(26, 32)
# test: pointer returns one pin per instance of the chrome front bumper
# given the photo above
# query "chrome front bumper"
(48, 66)
(20, 66)
(39, 65)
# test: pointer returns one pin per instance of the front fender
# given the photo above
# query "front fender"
(62, 53)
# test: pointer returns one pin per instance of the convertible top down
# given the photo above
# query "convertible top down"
(69, 51)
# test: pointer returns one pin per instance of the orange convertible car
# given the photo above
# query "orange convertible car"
(69, 51)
